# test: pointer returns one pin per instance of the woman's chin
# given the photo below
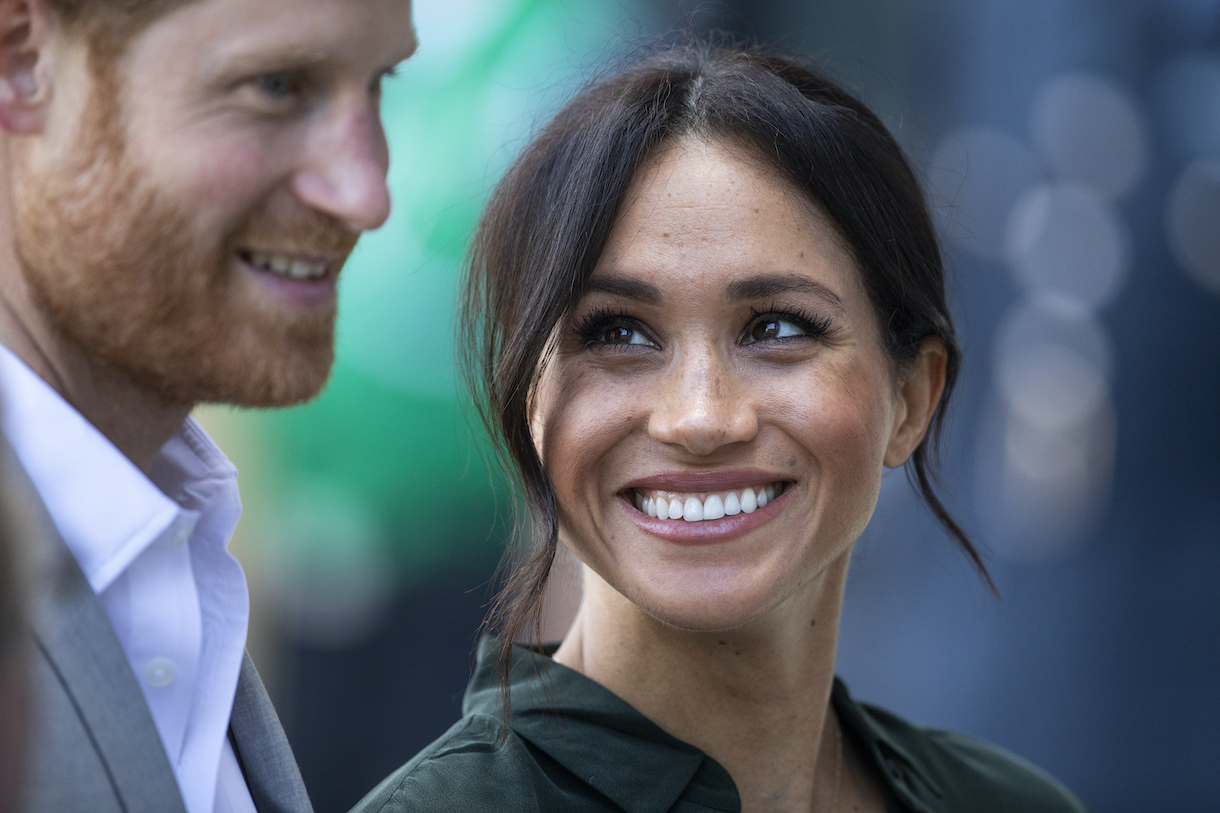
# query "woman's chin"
(728, 598)
(702, 611)
(705, 597)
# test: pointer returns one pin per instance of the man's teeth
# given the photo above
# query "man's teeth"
(287, 266)
(689, 507)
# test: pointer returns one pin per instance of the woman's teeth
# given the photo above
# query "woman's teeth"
(689, 507)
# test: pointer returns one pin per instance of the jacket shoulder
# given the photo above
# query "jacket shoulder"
(471, 768)
(467, 768)
(966, 774)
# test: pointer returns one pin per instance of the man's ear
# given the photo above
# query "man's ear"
(25, 27)
(919, 393)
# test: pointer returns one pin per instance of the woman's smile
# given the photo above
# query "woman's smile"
(704, 507)
(706, 519)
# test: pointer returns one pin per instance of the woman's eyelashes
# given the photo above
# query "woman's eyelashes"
(608, 329)
(785, 325)
(611, 329)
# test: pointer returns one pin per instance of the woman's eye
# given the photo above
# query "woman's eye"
(766, 329)
(621, 334)
(611, 330)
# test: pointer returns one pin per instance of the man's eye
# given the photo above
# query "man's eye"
(378, 82)
(276, 85)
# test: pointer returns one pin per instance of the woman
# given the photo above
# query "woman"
(707, 311)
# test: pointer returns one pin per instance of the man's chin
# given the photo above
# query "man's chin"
(274, 377)
(283, 391)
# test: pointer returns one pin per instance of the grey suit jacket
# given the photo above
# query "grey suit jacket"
(96, 748)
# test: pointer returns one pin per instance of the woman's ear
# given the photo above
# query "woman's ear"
(919, 391)
(25, 27)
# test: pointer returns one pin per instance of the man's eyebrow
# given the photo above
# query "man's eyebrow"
(276, 59)
(287, 58)
(626, 287)
(768, 285)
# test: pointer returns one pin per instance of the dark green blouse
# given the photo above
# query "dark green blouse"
(574, 745)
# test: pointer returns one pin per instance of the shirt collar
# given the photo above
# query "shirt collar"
(579, 723)
(904, 774)
(106, 509)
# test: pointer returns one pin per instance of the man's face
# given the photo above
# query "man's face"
(185, 215)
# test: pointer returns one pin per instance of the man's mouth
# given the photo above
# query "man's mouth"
(701, 506)
(284, 265)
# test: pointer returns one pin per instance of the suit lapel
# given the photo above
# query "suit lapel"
(78, 641)
(263, 750)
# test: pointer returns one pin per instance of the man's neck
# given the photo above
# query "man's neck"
(136, 421)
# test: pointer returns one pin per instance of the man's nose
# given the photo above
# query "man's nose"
(343, 173)
(701, 405)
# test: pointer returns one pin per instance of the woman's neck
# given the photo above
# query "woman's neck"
(756, 698)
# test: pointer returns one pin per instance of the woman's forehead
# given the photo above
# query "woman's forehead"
(698, 210)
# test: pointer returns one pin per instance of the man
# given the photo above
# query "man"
(183, 180)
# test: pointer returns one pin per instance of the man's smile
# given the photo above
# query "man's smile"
(289, 266)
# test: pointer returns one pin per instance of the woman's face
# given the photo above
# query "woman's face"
(719, 409)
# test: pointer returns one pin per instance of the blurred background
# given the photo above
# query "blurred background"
(1071, 149)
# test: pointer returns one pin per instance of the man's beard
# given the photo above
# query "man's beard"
(126, 277)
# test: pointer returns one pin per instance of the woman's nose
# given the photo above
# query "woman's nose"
(701, 406)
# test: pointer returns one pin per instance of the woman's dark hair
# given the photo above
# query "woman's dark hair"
(546, 224)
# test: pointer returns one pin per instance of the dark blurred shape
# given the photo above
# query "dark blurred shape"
(379, 702)
(14, 646)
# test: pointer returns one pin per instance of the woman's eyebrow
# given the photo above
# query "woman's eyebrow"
(627, 288)
(768, 285)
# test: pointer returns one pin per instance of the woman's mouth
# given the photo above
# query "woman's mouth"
(704, 506)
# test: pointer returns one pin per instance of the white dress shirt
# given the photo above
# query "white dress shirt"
(154, 550)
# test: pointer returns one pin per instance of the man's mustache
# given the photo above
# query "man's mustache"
(306, 231)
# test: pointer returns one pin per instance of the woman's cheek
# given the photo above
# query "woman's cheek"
(584, 427)
(843, 424)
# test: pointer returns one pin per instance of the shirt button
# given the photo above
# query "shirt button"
(895, 769)
(160, 672)
(180, 538)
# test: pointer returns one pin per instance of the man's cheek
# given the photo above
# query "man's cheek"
(224, 179)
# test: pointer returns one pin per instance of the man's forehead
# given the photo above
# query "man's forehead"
(268, 32)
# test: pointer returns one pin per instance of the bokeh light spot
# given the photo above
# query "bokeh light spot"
(976, 176)
(1189, 101)
(1089, 131)
(1063, 240)
(1192, 222)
